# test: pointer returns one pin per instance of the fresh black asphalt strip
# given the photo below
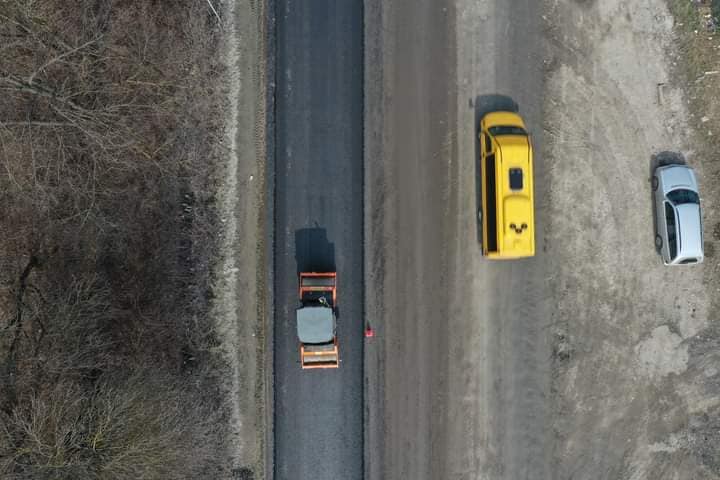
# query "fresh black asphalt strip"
(318, 414)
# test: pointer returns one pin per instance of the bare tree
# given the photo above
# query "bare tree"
(109, 120)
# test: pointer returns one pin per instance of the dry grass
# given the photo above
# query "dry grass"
(698, 34)
(110, 118)
(698, 70)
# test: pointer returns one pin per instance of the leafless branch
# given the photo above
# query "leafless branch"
(34, 124)
(19, 300)
(213, 9)
(31, 78)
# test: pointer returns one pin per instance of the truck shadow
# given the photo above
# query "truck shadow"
(313, 251)
(660, 159)
(483, 105)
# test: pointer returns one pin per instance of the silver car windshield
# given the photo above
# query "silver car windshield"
(680, 196)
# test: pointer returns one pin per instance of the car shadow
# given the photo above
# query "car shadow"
(664, 158)
(661, 159)
(484, 104)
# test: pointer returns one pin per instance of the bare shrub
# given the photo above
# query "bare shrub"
(130, 429)
(110, 118)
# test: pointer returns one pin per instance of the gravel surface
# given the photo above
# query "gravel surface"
(591, 360)
(635, 396)
(240, 271)
(463, 369)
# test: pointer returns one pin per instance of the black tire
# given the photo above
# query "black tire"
(654, 183)
(658, 242)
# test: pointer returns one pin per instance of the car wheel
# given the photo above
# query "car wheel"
(654, 183)
(658, 242)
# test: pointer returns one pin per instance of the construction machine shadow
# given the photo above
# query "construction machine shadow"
(313, 250)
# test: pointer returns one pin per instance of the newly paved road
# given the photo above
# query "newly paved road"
(318, 431)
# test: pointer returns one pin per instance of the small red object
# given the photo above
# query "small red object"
(369, 332)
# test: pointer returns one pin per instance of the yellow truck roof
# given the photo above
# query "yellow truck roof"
(516, 217)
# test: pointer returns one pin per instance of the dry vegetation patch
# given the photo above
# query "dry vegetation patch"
(698, 31)
(110, 120)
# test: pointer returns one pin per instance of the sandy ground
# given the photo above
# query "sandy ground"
(409, 104)
(590, 361)
(635, 367)
(499, 374)
(239, 299)
(459, 374)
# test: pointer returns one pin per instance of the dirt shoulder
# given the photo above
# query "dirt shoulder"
(239, 303)
(635, 365)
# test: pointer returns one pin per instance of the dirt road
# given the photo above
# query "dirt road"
(466, 365)
(589, 361)
(409, 207)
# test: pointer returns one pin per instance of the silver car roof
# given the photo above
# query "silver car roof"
(689, 231)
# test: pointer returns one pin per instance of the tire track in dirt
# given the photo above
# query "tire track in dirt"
(500, 429)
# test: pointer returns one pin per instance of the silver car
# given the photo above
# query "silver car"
(679, 237)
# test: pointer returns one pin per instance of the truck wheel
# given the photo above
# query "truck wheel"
(658, 242)
(654, 183)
